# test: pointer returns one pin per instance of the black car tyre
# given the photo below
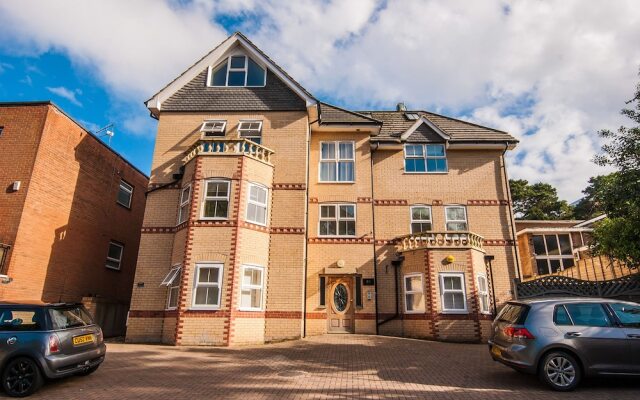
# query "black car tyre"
(21, 377)
(561, 371)
(88, 371)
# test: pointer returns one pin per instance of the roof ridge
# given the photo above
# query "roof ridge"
(356, 113)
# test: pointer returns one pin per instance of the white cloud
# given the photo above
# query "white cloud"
(5, 66)
(552, 73)
(66, 94)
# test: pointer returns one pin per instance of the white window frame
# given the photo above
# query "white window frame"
(444, 291)
(425, 157)
(217, 284)
(184, 206)
(170, 282)
(337, 218)
(127, 188)
(447, 220)
(243, 135)
(337, 160)
(548, 257)
(215, 198)
(419, 221)
(484, 293)
(118, 260)
(258, 204)
(249, 287)
(407, 292)
(214, 131)
(212, 70)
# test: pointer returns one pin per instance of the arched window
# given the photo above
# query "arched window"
(238, 70)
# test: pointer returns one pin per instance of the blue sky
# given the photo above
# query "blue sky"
(550, 73)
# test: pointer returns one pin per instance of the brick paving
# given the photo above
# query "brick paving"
(331, 366)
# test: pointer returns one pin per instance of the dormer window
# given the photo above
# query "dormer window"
(213, 128)
(412, 116)
(251, 130)
(238, 70)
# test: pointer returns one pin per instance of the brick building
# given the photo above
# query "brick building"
(272, 215)
(70, 213)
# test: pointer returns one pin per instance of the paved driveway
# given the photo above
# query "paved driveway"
(333, 366)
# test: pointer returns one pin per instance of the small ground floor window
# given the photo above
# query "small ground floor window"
(413, 294)
(452, 292)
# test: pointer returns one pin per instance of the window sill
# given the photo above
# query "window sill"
(213, 219)
(415, 312)
(425, 173)
(113, 268)
(250, 309)
(127, 207)
(338, 237)
(454, 312)
(203, 308)
(255, 223)
(337, 182)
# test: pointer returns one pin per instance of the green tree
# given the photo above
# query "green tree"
(595, 196)
(618, 236)
(537, 201)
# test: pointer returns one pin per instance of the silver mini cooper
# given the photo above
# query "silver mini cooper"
(564, 339)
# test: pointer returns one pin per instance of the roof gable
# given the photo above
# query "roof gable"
(431, 128)
(213, 58)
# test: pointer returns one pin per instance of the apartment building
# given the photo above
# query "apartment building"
(272, 215)
(71, 210)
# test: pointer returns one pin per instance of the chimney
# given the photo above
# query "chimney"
(401, 107)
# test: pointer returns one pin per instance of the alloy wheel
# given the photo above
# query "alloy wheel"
(560, 371)
(21, 377)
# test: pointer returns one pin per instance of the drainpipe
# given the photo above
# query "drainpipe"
(513, 227)
(373, 232)
(306, 234)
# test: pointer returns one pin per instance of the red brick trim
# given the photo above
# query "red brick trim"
(364, 200)
(474, 306)
(487, 202)
(383, 242)
(498, 242)
(437, 203)
(318, 240)
(158, 229)
(214, 223)
(313, 199)
(205, 314)
(254, 227)
(316, 315)
(432, 295)
(287, 230)
(289, 186)
(390, 202)
(364, 316)
(284, 314)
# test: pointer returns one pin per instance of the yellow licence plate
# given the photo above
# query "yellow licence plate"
(496, 351)
(84, 339)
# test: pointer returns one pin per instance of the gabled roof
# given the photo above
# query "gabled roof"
(395, 124)
(329, 114)
(423, 121)
(155, 103)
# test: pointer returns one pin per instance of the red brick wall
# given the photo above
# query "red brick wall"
(70, 215)
(18, 146)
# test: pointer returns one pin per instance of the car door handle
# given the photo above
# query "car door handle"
(12, 340)
(633, 336)
(574, 334)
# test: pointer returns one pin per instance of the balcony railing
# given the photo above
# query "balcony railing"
(229, 147)
(443, 240)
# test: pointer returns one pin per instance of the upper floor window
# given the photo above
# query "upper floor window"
(553, 253)
(185, 201)
(420, 219)
(238, 70)
(125, 193)
(257, 204)
(456, 218)
(216, 200)
(337, 220)
(425, 158)
(213, 128)
(337, 161)
(114, 255)
(251, 130)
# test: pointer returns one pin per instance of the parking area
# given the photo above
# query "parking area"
(331, 366)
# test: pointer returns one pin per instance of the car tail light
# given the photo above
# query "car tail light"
(54, 344)
(517, 333)
(99, 336)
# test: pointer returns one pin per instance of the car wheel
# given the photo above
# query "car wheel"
(89, 371)
(560, 371)
(21, 377)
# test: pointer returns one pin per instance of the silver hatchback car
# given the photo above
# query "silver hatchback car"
(564, 339)
(40, 340)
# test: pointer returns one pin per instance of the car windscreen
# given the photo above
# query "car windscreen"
(69, 317)
(513, 313)
(20, 319)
